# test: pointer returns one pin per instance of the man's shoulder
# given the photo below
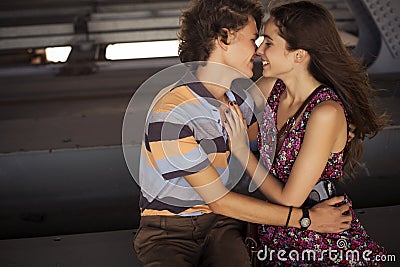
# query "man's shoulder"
(173, 98)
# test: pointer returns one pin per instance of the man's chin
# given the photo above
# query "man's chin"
(249, 73)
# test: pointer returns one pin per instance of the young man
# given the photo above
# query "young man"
(189, 217)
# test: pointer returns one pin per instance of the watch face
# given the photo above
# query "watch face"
(305, 222)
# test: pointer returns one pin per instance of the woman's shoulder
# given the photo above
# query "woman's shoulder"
(329, 107)
(326, 101)
(326, 93)
(328, 118)
(328, 112)
(325, 98)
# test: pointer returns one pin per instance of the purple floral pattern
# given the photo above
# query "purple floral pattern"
(293, 240)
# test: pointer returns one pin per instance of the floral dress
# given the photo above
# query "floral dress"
(292, 246)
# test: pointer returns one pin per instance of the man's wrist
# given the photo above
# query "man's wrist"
(313, 220)
(295, 218)
(305, 220)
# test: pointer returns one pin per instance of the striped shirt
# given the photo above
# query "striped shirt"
(184, 134)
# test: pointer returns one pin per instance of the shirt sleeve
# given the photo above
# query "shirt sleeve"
(172, 144)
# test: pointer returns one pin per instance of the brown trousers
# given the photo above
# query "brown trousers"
(206, 240)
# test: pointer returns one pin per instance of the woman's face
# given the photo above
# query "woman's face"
(241, 51)
(276, 59)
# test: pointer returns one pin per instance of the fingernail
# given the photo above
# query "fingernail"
(230, 103)
(227, 111)
(226, 121)
(234, 102)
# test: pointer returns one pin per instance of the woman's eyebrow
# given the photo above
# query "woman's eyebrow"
(267, 36)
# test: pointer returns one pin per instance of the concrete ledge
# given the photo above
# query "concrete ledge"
(115, 248)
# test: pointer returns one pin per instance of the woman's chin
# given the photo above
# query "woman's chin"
(267, 74)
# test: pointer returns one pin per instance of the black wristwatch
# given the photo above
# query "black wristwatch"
(305, 221)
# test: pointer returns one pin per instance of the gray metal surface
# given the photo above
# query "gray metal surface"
(133, 24)
(106, 23)
(66, 191)
(61, 165)
(386, 14)
(98, 22)
(379, 23)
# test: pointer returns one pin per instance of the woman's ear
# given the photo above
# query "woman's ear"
(300, 55)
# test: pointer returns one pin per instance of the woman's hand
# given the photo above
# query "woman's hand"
(236, 128)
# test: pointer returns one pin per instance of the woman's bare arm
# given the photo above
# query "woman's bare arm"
(319, 141)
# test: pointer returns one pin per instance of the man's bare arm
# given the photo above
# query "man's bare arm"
(325, 217)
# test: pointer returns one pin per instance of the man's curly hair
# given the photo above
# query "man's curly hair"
(205, 20)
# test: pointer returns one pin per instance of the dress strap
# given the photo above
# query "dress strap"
(289, 124)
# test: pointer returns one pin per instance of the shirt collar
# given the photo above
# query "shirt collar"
(190, 80)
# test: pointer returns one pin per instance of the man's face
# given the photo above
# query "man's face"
(241, 50)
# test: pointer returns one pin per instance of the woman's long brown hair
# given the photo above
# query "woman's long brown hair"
(310, 26)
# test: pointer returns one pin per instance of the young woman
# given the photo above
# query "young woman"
(306, 68)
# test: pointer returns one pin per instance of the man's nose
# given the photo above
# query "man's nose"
(260, 50)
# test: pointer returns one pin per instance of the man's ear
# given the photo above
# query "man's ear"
(224, 39)
(300, 55)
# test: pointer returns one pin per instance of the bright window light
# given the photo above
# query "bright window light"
(58, 54)
(142, 50)
(259, 41)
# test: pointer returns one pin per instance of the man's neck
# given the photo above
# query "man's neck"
(216, 78)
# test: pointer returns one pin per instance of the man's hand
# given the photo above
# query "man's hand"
(326, 218)
(351, 134)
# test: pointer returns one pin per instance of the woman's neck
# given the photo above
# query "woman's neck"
(299, 88)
